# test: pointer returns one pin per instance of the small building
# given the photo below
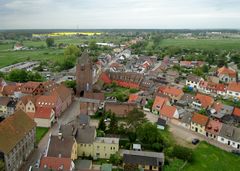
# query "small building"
(198, 123)
(227, 74)
(186, 120)
(174, 93)
(202, 102)
(213, 128)
(193, 81)
(158, 103)
(169, 112)
(161, 123)
(44, 117)
(233, 90)
(230, 135)
(137, 147)
(143, 160)
(56, 163)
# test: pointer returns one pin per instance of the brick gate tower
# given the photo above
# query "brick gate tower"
(84, 74)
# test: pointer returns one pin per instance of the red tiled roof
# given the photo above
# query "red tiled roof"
(228, 71)
(62, 91)
(47, 101)
(105, 78)
(233, 86)
(56, 163)
(173, 91)
(168, 111)
(159, 102)
(31, 114)
(204, 100)
(9, 90)
(127, 84)
(200, 119)
(236, 111)
(132, 98)
(43, 112)
(214, 126)
(30, 86)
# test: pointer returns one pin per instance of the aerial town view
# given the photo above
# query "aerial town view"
(130, 85)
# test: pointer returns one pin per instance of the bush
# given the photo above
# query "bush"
(183, 153)
(133, 90)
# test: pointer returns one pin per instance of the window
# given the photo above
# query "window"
(222, 139)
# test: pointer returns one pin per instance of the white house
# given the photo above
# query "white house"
(233, 90)
(44, 117)
(230, 135)
(193, 81)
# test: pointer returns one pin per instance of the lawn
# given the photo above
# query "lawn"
(226, 44)
(210, 158)
(40, 132)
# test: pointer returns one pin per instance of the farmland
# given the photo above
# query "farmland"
(208, 44)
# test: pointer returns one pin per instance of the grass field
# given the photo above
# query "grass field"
(210, 158)
(40, 132)
(226, 44)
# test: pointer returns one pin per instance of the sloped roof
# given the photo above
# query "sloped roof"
(4, 101)
(236, 111)
(86, 135)
(56, 163)
(105, 78)
(26, 99)
(204, 100)
(47, 101)
(159, 102)
(214, 126)
(173, 91)
(62, 91)
(9, 89)
(132, 98)
(13, 129)
(233, 86)
(168, 111)
(60, 147)
(228, 71)
(200, 119)
(43, 113)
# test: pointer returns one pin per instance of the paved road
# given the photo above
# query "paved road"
(184, 136)
(66, 117)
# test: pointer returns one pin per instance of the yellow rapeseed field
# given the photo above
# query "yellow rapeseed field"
(66, 34)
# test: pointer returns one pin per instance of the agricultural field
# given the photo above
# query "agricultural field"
(208, 44)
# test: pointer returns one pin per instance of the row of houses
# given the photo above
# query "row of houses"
(42, 101)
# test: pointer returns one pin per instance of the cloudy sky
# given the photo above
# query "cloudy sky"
(93, 14)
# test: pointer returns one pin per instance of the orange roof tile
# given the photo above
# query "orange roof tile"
(228, 71)
(159, 102)
(43, 112)
(47, 101)
(173, 91)
(132, 98)
(233, 86)
(9, 90)
(236, 111)
(55, 163)
(200, 119)
(168, 111)
(62, 91)
(204, 100)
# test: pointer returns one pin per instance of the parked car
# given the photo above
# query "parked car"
(237, 152)
(195, 141)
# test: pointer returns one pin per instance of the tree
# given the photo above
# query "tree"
(50, 42)
(148, 133)
(2, 167)
(134, 119)
(18, 75)
(205, 68)
(93, 45)
(183, 153)
(115, 159)
(72, 51)
(113, 126)
(102, 125)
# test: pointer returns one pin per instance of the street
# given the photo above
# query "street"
(184, 136)
(67, 116)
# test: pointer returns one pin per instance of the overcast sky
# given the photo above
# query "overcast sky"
(94, 14)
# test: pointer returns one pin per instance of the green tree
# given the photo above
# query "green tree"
(72, 51)
(50, 42)
(183, 153)
(2, 167)
(102, 125)
(205, 68)
(134, 119)
(113, 126)
(70, 84)
(115, 159)
(93, 45)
